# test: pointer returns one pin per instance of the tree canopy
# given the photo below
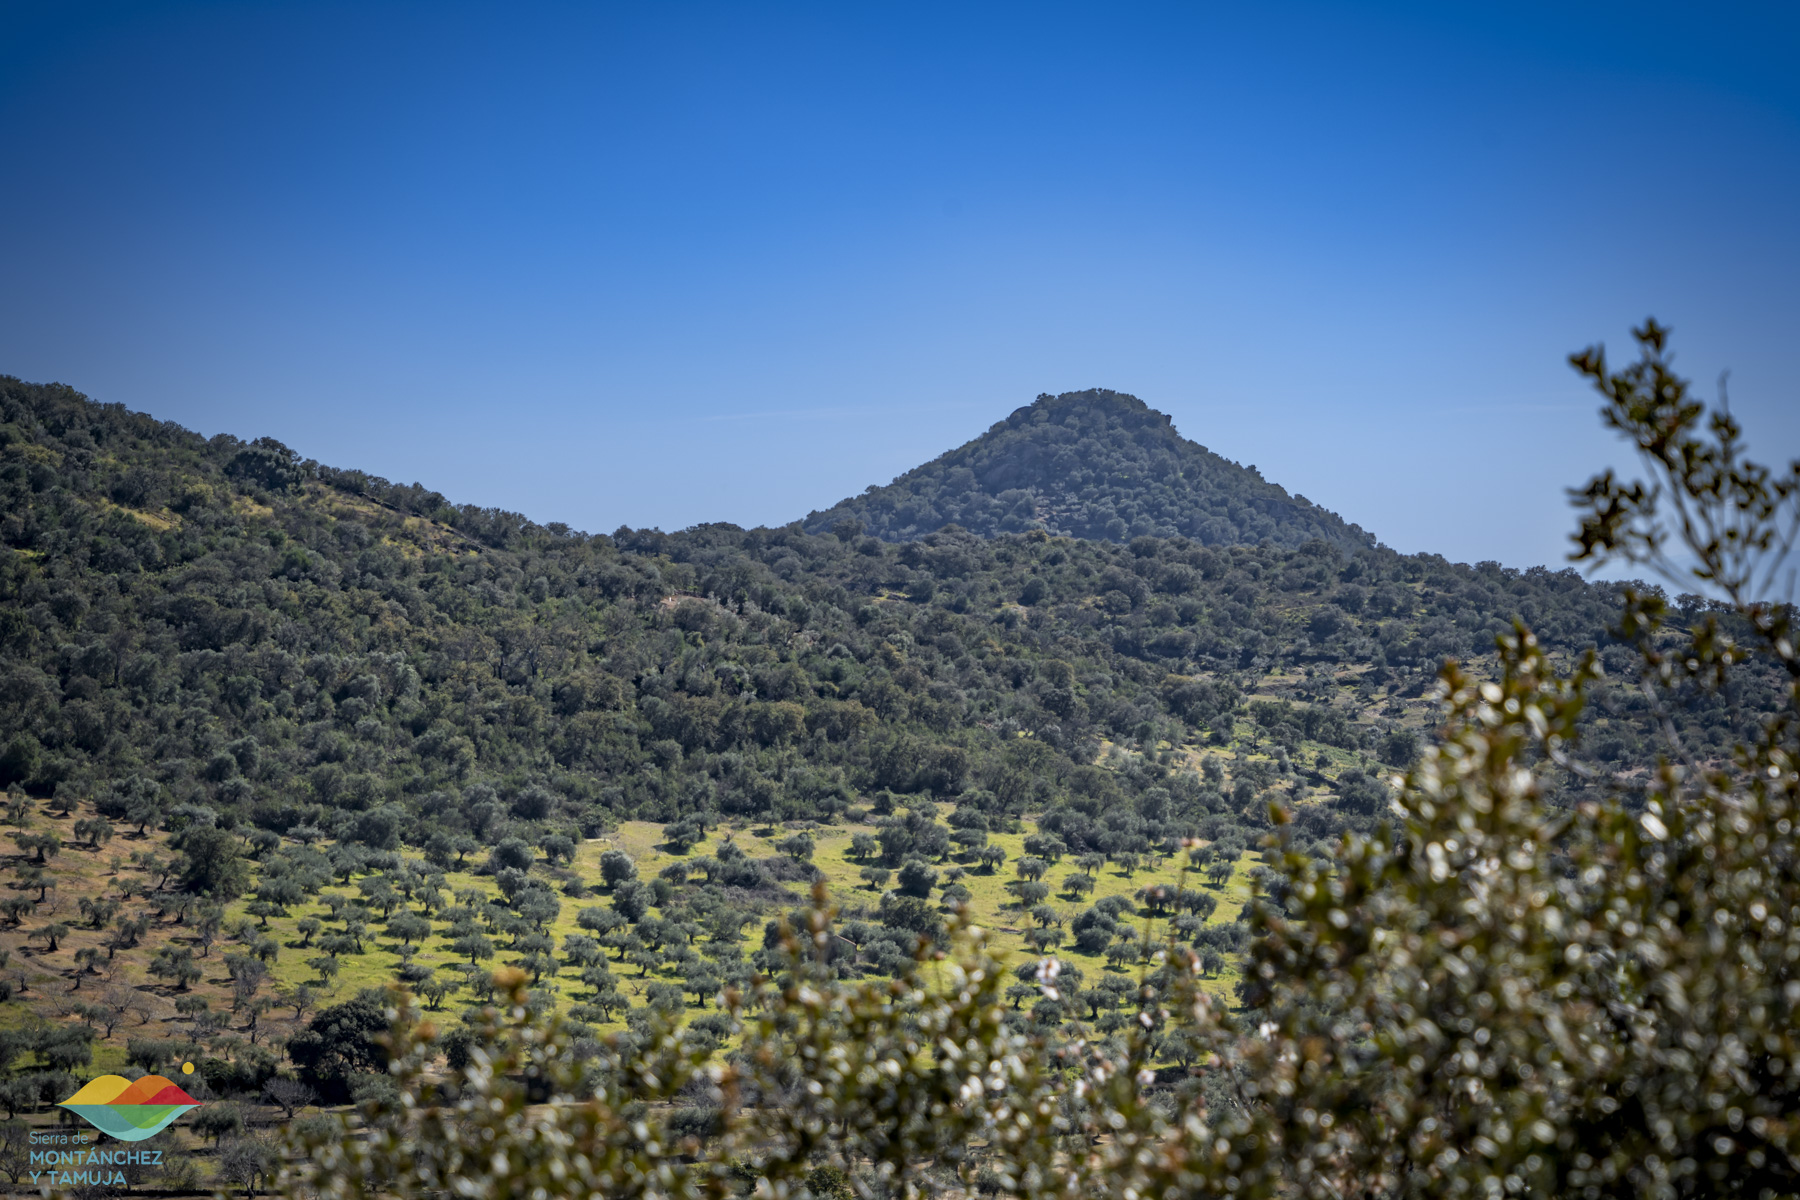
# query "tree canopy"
(1093, 464)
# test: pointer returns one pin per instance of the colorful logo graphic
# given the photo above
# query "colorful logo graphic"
(130, 1111)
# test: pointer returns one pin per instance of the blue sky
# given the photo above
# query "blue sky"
(667, 263)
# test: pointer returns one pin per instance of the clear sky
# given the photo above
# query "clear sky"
(665, 263)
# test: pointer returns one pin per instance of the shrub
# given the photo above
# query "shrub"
(514, 853)
(338, 1043)
(697, 1123)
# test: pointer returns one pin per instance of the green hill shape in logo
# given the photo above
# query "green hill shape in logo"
(130, 1111)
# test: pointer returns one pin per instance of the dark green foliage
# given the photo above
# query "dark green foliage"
(910, 913)
(378, 829)
(1400, 748)
(211, 864)
(692, 1122)
(616, 868)
(62, 1048)
(338, 1044)
(218, 1119)
(456, 1045)
(915, 878)
(264, 463)
(334, 657)
(1357, 793)
(1093, 464)
(19, 760)
(680, 836)
(512, 854)
(158, 1054)
(631, 899)
(244, 1075)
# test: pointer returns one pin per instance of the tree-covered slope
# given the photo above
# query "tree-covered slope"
(217, 624)
(1093, 464)
(262, 675)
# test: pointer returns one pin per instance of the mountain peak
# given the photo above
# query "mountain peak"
(1092, 464)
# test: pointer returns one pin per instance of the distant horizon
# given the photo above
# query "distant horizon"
(1609, 574)
(637, 266)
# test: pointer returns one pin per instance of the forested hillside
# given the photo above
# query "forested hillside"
(350, 732)
(185, 622)
(1093, 464)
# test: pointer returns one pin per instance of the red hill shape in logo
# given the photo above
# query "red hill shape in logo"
(130, 1111)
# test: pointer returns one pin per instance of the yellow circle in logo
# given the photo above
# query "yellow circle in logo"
(187, 1068)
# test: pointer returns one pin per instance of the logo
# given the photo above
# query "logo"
(130, 1111)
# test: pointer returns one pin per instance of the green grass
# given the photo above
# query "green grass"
(991, 907)
(83, 872)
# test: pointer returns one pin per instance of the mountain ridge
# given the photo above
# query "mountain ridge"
(1093, 464)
